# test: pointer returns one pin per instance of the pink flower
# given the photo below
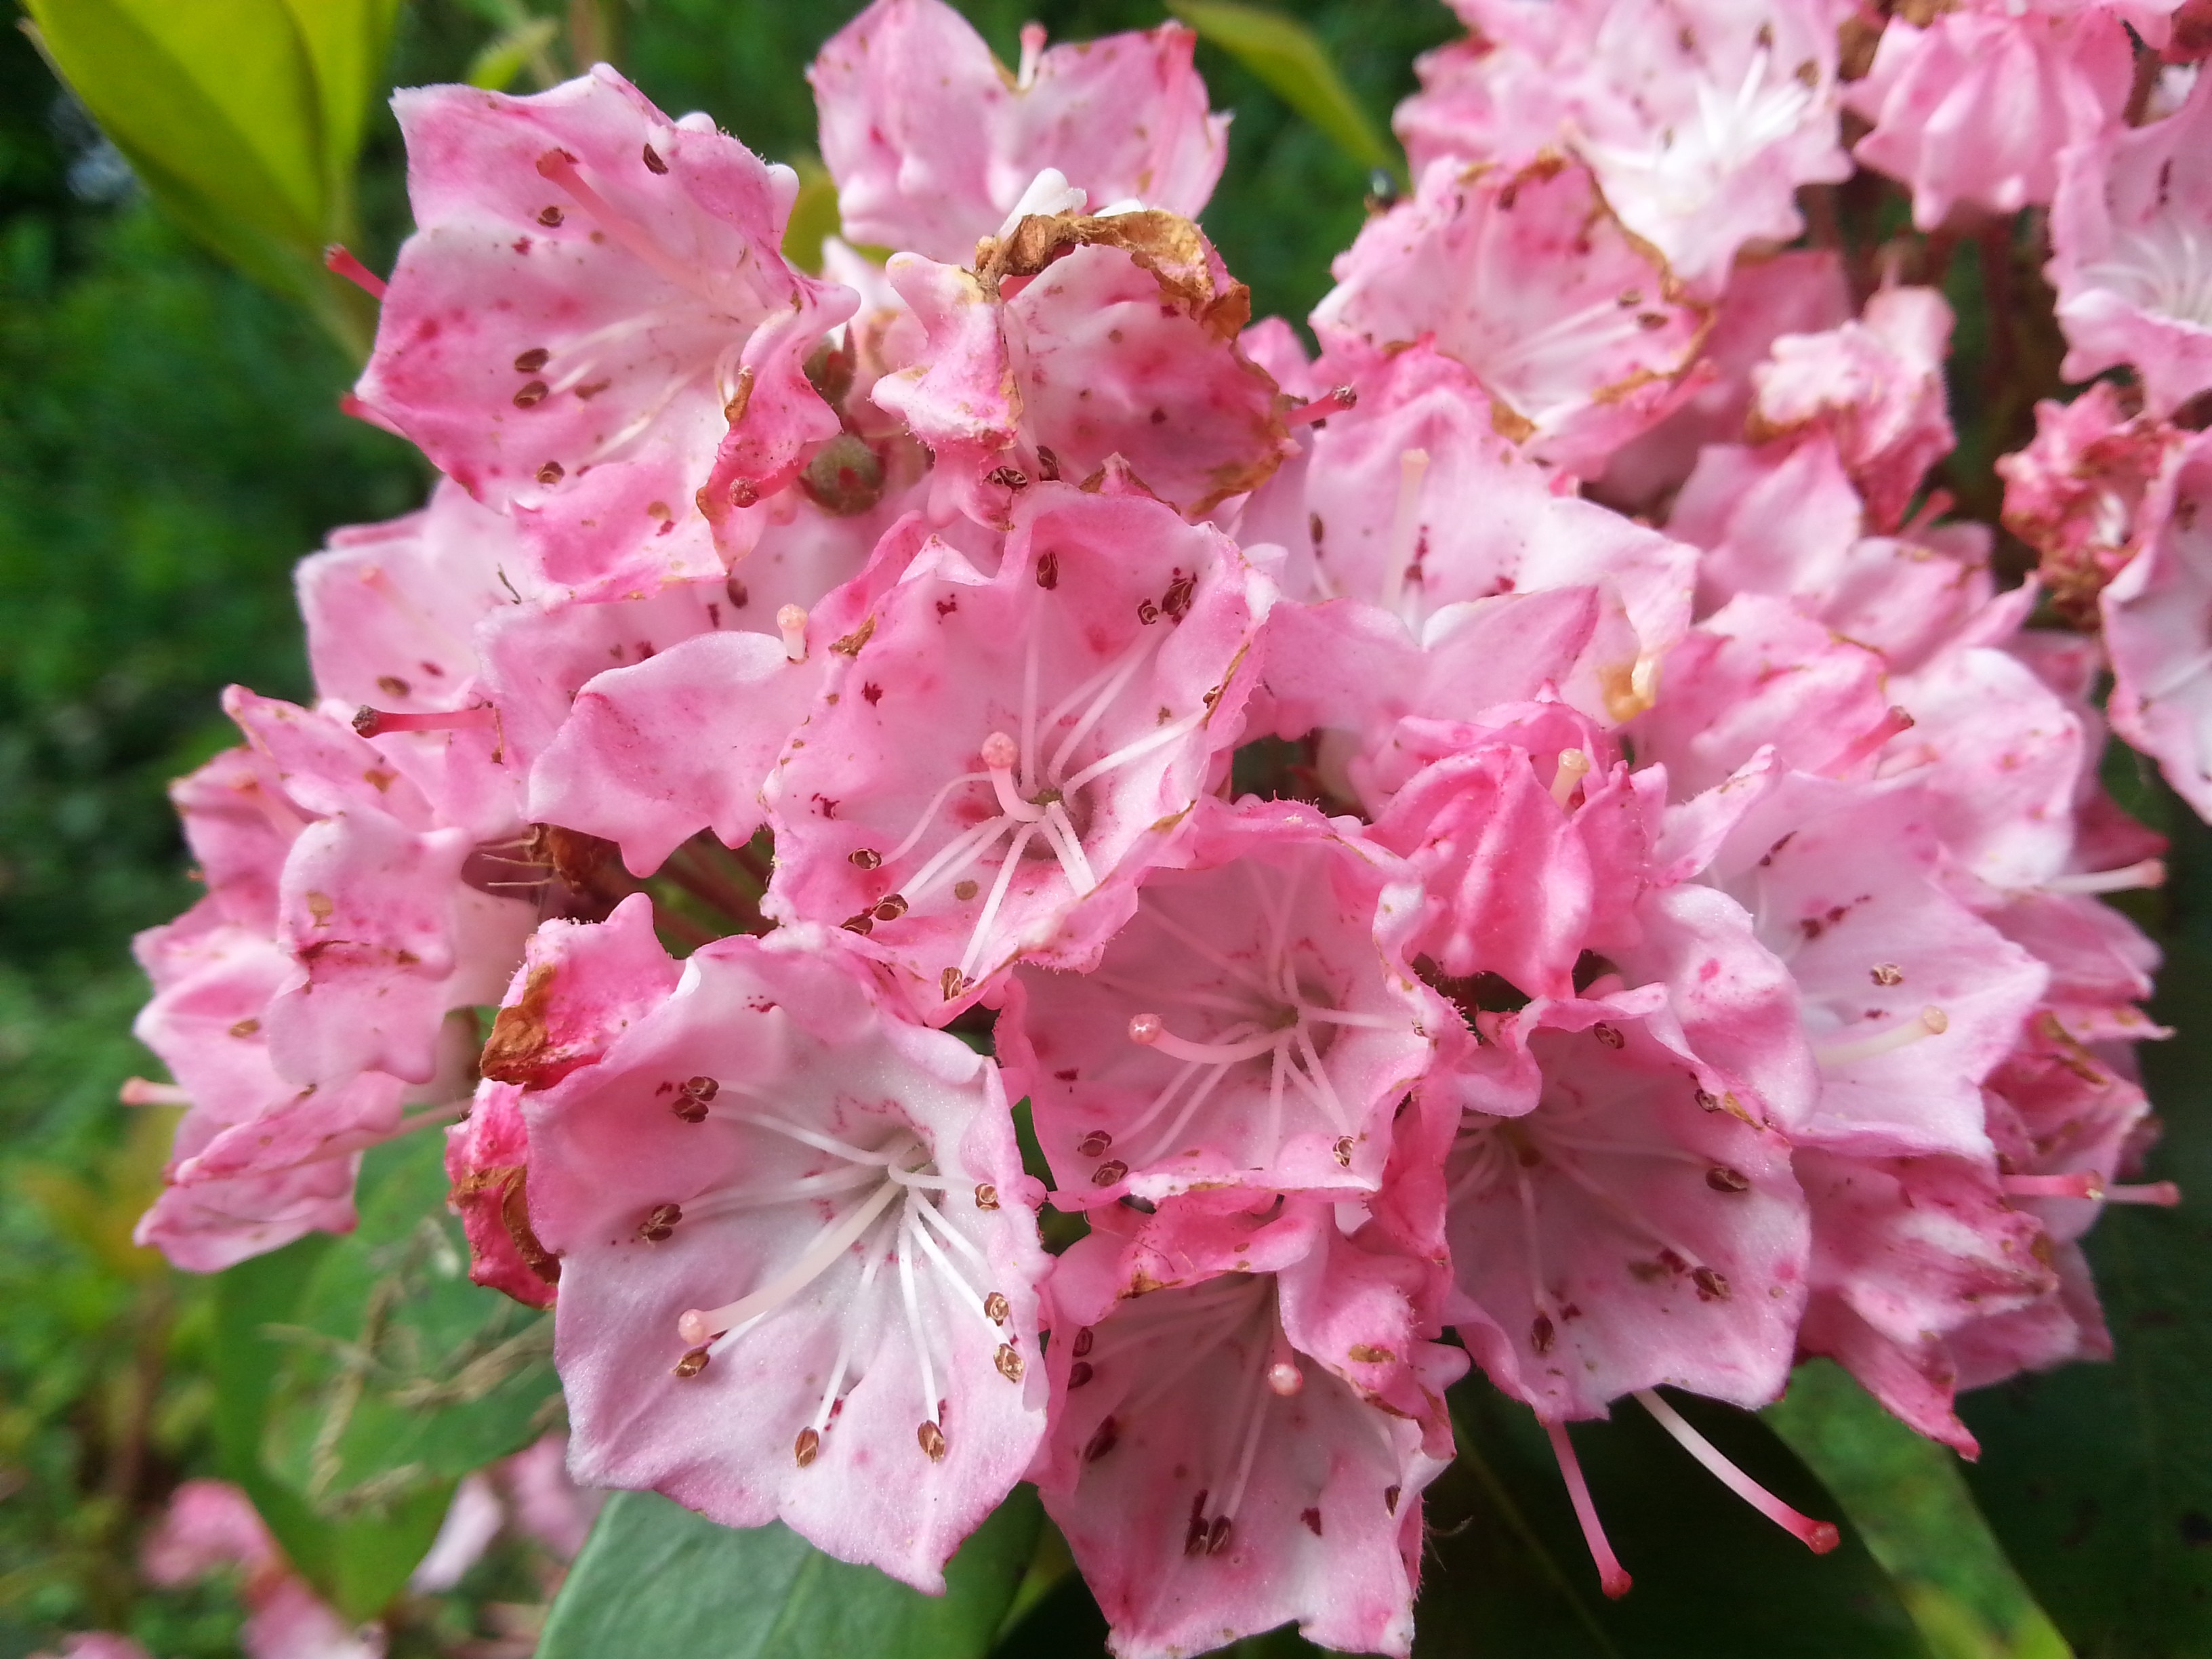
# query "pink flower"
(2074, 494)
(933, 143)
(1254, 1024)
(1575, 329)
(211, 1525)
(1975, 108)
(1876, 387)
(1699, 120)
(992, 750)
(1077, 340)
(2155, 632)
(799, 1261)
(96, 1644)
(2132, 233)
(648, 319)
(1247, 1408)
(1617, 1218)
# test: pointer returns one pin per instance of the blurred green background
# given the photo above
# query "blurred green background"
(170, 443)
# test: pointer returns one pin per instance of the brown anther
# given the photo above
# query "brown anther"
(1541, 1332)
(659, 1224)
(863, 924)
(1722, 1179)
(1079, 1373)
(531, 361)
(1886, 973)
(1147, 612)
(996, 1308)
(702, 1088)
(806, 1448)
(1108, 1173)
(1708, 1101)
(953, 982)
(891, 907)
(1176, 600)
(694, 1361)
(932, 1440)
(531, 392)
(690, 1108)
(246, 1028)
(1008, 1362)
(1102, 1440)
(1312, 1519)
(986, 1196)
(1048, 570)
(1047, 464)
(864, 858)
(1608, 1035)
(391, 685)
(1343, 1150)
(1390, 1499)
(550, 216)
(1217, 1537)
(741, 397)
(1095, 1144)
(1084, 1339)
(653, 161)
(1010, 477)
(965, 890)
(551, 473)
(1711, 1287)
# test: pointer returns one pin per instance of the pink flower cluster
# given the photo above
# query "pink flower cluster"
(1412, 895)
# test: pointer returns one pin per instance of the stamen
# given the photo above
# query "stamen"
(791, 622)
(837, 1372)
(1931, 1021)
(1151, 1031)
(1128, 752)
(2147, 872)
(922, 823)
(1895, 720)
(956, 855)
(919, 1339)
(2086, 1183)
(560, 167)
(1405, 528)
(342, 261)
(375, 722)
(698, 1325)
(1001, 754)
(1613, 1578)
(979, 939)
(1102, 699)
(2163, 1194)
(141, 1091)
(1032, 50)
(1068, 847)
(1332, 402)
(1819, 1536)
(1284, 1378)
(1574, 767)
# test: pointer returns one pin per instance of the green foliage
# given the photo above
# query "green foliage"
(2098, 1478)
(1284, 53)
(243, 118)
(400, 1375)
(656, 1580)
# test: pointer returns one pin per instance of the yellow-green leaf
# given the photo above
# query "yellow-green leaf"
(504, 55)
(1284, 53)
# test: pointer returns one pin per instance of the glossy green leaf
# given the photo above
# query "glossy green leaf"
(2099, 1478)
(243, 118)
(1908, 1497)
(398, 1372)
(359, 1564)
(655, 1580)
(1284, 54)
(1506, 1572)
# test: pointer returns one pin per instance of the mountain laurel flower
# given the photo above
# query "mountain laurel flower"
(1542, 836)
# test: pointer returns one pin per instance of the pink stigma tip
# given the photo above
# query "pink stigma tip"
(1146, 1028)
(692, 1326)
(999, 753)
(1616, 1583)
(1823, 1537)
(341, 260)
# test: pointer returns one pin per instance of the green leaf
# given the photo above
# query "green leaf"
(1908, 1497)
(1284, 54)
(813, 216)
(655, 1580)
(400, 1373)
(2099, 1478)
(360, 1564)
(243, 118)
(503, 56)
(1506, 1571)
